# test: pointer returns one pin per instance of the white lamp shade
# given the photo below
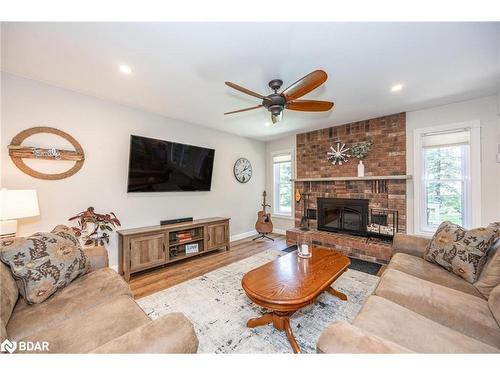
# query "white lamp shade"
(16, 204)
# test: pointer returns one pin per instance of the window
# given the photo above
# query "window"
(445, 161)
(282, 174)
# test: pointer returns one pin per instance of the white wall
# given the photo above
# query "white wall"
(486, 111)
(280, 223)
(103, 129)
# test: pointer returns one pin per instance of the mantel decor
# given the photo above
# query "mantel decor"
(338, 154)
(17, 153)
(359, 151)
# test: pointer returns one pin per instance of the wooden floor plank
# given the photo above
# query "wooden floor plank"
(149, 282)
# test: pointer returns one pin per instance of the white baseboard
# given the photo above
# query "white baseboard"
(114, 267)
(279, 231)
(240, 236)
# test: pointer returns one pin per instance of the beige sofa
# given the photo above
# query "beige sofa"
(95, 313)
(420, 307)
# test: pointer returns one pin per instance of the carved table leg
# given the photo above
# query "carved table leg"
(281, 321)
(336, 293)
(289, 334)
(263, 320)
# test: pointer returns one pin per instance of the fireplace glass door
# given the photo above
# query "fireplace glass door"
(343, 215)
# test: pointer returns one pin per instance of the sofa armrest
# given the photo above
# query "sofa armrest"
(98, 256)
(171, 333)
(342, 337)
(410, 244)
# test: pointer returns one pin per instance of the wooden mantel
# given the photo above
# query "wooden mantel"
(354, 178)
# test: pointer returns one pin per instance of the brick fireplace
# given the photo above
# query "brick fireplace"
(384, 187)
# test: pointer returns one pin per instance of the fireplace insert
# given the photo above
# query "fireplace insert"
(343, 215)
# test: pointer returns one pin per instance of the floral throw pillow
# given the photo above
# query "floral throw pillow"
(44, 262)
(460, 251)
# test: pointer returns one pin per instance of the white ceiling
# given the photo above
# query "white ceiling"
(179, 69)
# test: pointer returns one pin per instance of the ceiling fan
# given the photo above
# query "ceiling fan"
(276, 103)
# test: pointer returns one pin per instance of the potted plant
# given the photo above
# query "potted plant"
(360, 150)
(93, 228)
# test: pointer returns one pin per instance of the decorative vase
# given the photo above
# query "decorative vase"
(361, 169)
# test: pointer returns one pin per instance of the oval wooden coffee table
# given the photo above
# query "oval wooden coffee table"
(290, 283)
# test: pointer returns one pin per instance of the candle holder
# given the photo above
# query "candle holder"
(304, 246)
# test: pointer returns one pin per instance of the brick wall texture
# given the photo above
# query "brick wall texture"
(387, 157)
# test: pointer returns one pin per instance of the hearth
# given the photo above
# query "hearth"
(343, 215)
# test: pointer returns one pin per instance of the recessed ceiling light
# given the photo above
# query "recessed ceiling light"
(397, 87)
(267, 123)
(125, 69)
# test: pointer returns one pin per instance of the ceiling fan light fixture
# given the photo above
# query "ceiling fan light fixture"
(276, 113)
(276, 102)
(276, 118)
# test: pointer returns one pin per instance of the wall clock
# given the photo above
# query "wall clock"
(242, 170)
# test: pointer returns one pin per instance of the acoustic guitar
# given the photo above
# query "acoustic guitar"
(264, 225)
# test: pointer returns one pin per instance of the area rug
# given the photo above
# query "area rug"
(219, 309)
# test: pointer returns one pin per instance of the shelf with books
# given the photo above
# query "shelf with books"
(182, 242)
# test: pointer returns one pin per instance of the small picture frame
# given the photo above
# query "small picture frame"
(191, 248)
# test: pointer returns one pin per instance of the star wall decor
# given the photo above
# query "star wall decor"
(339, 154)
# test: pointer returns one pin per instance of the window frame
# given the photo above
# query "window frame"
(276, 184)
(472, 178)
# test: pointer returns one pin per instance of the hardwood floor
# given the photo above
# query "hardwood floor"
(149, 282)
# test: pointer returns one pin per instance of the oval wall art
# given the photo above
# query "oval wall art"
(17, 153)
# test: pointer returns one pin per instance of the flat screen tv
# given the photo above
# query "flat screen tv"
(156, 165)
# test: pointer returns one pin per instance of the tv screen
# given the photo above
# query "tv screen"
(156, 165)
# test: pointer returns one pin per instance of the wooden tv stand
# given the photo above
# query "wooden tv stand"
(148, 247)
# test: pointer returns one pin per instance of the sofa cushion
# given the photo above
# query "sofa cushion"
(8, 293)
(490, 275)
(494, 303)
(85, 332)
(342, 337)
(410, 244)
(81, 295)
(393, 322)
(422, 269)
(44, 262)
(170, 333)
(460, 251)
(460, 311)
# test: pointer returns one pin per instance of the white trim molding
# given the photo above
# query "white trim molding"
(114, 267)
(240, 236)
(473, 193)
(279, 231)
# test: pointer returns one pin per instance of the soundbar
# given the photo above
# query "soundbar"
(176, 221)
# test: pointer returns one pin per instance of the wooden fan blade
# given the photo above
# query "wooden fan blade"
(305, 84)
(243, 110)
(309, 105)
(244, 90)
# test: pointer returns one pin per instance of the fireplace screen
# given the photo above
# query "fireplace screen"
(383, 222)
